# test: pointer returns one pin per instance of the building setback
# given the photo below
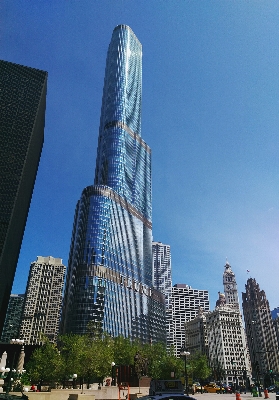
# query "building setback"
(43, 300)
(185, 305)
(13, 318)
(260, 330)
(22, 120)
(109, 277)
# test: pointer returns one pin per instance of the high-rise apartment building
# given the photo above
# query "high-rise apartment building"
(43, 300)
(22, 120)
(109, 278)
(186, 303)
(260, 330)
(13, 318)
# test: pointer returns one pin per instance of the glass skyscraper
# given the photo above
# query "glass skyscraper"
(109, 278)
(22, 120)
(13, 318)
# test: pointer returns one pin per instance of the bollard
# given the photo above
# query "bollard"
(266, 396)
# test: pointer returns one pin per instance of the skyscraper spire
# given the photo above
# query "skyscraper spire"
(109, 279)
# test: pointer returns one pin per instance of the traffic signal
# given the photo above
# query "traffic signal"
(267, 380)
(272, 376)
(244, 374)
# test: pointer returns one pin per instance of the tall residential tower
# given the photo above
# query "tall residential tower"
(43, 300)
(22, 120)
(186, 304)
(109, 278)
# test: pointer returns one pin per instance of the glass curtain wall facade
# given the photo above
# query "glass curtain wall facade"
(13, 318)
(109, 277)
(22, 120)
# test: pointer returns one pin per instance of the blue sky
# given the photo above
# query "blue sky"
(210, 113)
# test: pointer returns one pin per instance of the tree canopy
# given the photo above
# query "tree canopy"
(92, 355)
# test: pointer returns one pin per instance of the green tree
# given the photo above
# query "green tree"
(199, 366)
(90, 356)
(45, 364)
(103, 356)
(71, 348)
(172, 365)
(95, 355)
(156, 358)
(160, 363)
(124, 350)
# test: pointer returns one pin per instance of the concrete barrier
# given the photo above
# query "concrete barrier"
(60, 394)
(106, 393)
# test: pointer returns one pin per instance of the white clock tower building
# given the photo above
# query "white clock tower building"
(227, 348)
(230, 287)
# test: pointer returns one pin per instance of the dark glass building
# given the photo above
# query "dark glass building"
(109, 278)
(22, 119)
(13, 318)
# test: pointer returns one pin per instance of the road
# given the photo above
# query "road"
(228, 396)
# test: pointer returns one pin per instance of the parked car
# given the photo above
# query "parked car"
(213, 388)
(228, 388)
(273, 388)
(168, 396)
(197, 387)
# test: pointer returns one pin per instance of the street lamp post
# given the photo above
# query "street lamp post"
(3, 375)
(113, 374)
(10, 378)
(184, 354)
(74, 380)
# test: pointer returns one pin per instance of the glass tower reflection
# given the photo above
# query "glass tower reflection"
(109, 278)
